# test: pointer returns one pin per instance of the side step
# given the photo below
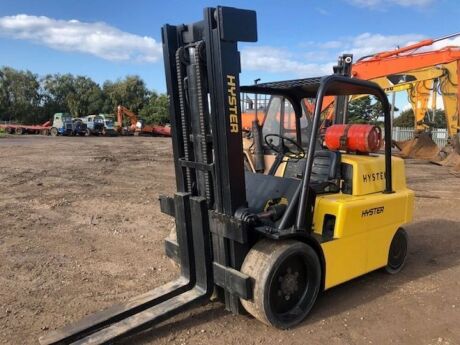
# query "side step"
(144, 311)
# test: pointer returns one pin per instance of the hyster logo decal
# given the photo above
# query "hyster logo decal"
(232, 103)
(377, 176)
(372, 211)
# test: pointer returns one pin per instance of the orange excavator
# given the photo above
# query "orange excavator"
(136, 125)
(423, 74)
(430, 72)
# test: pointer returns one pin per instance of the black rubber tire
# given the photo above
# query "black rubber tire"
(397, 253)
(54, 132)
(266, 263)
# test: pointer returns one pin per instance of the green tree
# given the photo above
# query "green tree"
(405, 119)
(26, 98)
(19, 95)
(440, 119)
(86, 97)
(56, 90)
(130, 92)
(75, 94)
(156, 110)
(364, 110)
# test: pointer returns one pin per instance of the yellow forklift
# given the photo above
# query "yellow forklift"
(268, 243)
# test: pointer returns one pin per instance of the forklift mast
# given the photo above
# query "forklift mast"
(202, 66)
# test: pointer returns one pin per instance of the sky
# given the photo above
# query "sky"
(112, 39)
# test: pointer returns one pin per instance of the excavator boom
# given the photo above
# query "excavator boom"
(423, 74)
(125, 112)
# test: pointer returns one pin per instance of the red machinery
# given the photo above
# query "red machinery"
(136, 127)
(29, 129)
(354, 138)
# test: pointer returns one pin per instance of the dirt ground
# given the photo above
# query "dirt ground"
(80, 229)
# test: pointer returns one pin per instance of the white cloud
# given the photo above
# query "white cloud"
(99, 39)
(379, 4)
(368, 43)
(446, 43)
(322, 11)
(331, 45)
(317, 58)
(277, 60)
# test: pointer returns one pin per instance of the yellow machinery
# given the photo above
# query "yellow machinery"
(356, 223)
(409, 62)
(269, 242)
(365, 219)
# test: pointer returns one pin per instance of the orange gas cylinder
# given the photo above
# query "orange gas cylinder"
(354, 138)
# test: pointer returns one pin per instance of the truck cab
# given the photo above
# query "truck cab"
(109, 124)
(101, 124)
(62, 124)
(94, 123)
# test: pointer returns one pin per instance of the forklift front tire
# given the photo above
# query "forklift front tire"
(287, 279)
(397, 253)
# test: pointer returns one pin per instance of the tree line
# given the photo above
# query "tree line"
(367, 110)
(28, 98)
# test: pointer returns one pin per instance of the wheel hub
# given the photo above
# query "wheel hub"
(288, 284)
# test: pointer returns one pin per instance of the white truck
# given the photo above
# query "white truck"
(101, 124)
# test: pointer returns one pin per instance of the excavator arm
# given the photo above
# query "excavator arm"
(125, 112)
(422, 66)
(450, 91)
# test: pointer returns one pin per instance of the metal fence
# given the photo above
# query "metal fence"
(439, 135)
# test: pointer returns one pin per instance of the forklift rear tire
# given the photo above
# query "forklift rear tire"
(287, 279)
(397, 253)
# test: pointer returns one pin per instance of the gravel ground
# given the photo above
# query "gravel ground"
(81, 229)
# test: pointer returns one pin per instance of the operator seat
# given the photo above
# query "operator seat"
(325, 173)
(325, 178)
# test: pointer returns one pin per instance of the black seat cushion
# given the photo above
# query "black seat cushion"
(325, 172)
(262, 188)
(326, 166)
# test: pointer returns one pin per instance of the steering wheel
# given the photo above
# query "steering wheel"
(285, 150)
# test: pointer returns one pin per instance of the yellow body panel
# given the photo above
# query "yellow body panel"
(369, 173)
(366, 220)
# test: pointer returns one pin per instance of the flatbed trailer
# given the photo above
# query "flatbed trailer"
(156, 130)
(14, 128)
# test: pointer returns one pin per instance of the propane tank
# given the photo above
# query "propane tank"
(354, 138)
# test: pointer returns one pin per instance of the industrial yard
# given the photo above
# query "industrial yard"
(179, 174)
(82, 229)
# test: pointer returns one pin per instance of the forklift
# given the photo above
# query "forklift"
(266, 244)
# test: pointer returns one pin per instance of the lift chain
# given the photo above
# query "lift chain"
(185, 136)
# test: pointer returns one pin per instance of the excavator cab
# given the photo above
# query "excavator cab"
(264, 243)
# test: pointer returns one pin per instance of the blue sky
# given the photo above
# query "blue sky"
(110, 39)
